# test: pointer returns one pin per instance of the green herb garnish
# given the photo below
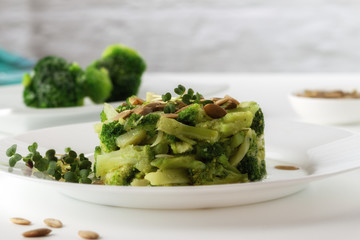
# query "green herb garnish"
(187, 97)
(70, 166)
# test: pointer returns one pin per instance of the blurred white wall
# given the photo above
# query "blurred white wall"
(190, 35)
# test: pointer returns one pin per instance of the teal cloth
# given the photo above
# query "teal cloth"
(13, 67)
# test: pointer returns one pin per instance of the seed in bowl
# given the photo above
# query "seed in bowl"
(329, 94)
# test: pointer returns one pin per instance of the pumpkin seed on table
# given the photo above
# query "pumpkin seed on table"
(88, 235)
(20, 221)
(51, 222)
(40, 232)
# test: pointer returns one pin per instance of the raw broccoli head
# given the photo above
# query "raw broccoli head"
(54, 83)
(109, 133)
(125, 67)
(258, 122)
(98, 85)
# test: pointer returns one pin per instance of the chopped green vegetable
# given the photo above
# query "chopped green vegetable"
(177, 142)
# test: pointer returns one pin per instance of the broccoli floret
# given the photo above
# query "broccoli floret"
(139, 129)
(254, 169)
(121, 176)
(192, 115)
(132, 121)
(229, 124)
(184, 132)
(253, 163)
(138, 156)
(217, 171)
(171, 138)
(258, 122)
(108, 135)
(54, 83)
(206, 151)
(147, 123)
(98, 85)
(124, 107)
(125, 67)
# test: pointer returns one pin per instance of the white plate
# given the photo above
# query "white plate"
(318, 151)
(15, 117)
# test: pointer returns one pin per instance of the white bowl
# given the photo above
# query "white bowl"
(326, 110)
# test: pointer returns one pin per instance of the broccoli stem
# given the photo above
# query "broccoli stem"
(182, 131)
(109, 111)
(186, 161)
(243, 149)
(168, 177)
(139, 156)
(133, 137)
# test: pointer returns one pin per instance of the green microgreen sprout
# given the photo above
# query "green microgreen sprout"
(70, 166)
(186, 96)
(166, 97)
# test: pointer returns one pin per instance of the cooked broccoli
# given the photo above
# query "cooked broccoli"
(192, 115)
(185, 132)
(258, 116)
(254, 169)
(147, 122)
(186, 147)
(108, 135)
(121, 176)
(168, 177)
(103, 116)
(180, 147)
(56, 83)
(217, 171)
(137, 156)
(124, 107)
(229, 124)
(182, 161)
(108, 112)
(138, 129)
(253, 163)
(125, 67)
(258, 122)
(206, 151)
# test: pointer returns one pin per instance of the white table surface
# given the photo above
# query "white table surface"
(326, 209)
